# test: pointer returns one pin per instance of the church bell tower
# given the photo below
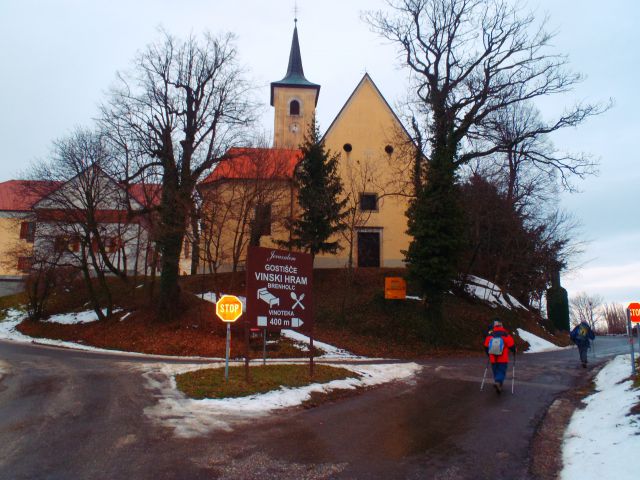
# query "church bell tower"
(294, 99)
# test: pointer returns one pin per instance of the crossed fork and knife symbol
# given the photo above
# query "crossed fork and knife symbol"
(298, 300)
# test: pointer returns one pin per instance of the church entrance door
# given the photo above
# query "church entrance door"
(369, 248)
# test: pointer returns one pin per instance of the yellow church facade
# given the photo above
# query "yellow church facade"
(375, 156)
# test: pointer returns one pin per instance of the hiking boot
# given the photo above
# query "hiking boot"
(584, 364)
(498, 387)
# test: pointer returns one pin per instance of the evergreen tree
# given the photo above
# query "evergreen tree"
(319, 191)
(435, 223)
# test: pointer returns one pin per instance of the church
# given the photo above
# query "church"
(252, 189)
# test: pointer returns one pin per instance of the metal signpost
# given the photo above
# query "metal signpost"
(633, 316)
(228, 309)
(279, 291)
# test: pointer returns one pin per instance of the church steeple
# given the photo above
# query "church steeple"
(294, 98)
(295, 73)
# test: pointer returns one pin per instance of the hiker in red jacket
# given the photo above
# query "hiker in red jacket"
(497, 346)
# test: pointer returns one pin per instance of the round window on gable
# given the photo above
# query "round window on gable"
(388, 149)
(347, 147)
(294, 107)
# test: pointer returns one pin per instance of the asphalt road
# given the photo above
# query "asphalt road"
(75, 415)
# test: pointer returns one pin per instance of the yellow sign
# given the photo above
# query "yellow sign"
(395, 288)
(229, 308)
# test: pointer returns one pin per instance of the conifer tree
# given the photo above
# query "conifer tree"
(435, 223)
(319, 192)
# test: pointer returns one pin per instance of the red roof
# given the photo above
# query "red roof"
(252, 163)
(20, 195)
(147, 194)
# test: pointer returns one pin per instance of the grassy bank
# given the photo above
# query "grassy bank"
(211, 383)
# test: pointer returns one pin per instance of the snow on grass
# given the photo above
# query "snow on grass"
(603, 439)
(299, 338)
(537, 344)
(192, 418)
(74, 318)
(211, 297)
(13, 318)
(330, 352)
(490, 292)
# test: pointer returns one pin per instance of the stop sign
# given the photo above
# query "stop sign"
(634, 312)
(229, 308)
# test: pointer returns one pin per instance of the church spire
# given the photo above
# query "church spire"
(295, 74)
(295, 59)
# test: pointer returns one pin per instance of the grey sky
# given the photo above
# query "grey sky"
(59, 56)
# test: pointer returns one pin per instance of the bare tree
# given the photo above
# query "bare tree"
(469, 60)
(249, 197)
(585, 308)
(177, 111)
(615, 317)
(359, 176)
(87, 223)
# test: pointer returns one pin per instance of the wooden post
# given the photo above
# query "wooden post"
(311, 354)
(247, 375)
(264, 346)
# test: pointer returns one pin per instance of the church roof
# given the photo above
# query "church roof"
(295, 74)
(255, 163)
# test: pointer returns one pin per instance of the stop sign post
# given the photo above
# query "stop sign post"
(228, 309)
(633, 316)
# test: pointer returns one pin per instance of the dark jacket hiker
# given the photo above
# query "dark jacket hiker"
(497, 345)
(581, 335)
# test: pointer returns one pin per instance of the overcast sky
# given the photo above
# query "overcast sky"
(59, 56)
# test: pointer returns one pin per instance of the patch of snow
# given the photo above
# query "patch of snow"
(413, 297)
(73, 318)
(211, 297)
(537, 344)
(13, 318)
(602, 439)
(490, 292)
(329, 350)
(191, 418)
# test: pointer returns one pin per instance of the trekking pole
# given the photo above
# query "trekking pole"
(513, 373)
(485, 374)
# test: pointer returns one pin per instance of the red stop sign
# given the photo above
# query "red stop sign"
(634, 312)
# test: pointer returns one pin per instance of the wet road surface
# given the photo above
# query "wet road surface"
(77, 415)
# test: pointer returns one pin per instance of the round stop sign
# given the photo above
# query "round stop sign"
(634, 312)
(229, 308)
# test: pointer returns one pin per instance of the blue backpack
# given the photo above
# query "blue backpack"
(496, 346)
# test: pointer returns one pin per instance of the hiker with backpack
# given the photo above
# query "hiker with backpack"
(497, 345)
(581, 335)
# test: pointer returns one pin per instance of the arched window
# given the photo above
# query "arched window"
(294, 107)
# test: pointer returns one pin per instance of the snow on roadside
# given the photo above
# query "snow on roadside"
(13, 318)
(537, 344)
(191, 418)
(603, 439)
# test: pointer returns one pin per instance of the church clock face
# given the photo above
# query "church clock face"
(294, 127)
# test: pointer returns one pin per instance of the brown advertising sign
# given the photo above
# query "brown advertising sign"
(279, 289)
